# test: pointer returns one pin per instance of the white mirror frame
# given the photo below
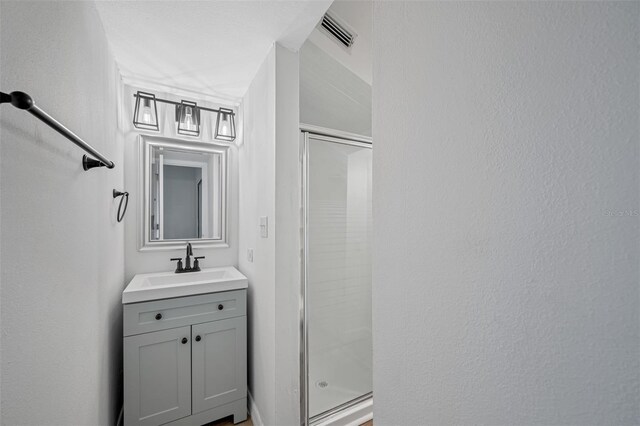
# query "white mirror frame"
(145, 144)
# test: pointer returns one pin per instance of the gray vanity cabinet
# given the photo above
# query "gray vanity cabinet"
(158, 377)
(218, 352)
(185, 360)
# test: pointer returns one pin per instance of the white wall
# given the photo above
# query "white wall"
(269, 186)
(287, 235)
(136, 261)
(257, 198)
(61, 247)
(504, 291)
(331, 95)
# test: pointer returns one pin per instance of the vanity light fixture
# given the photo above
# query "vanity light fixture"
(145, 115)
(188, 119)
(225, 125)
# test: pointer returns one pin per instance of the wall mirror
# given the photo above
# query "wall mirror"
(185, 190)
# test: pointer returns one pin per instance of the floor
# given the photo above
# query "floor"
(228, 421)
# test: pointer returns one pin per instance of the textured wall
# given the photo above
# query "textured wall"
(257, 198)
(287, 236)
(505, 281)
(269, 186)
(62, 249)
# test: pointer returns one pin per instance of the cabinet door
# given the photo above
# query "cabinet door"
(157, 377)
(219, 363)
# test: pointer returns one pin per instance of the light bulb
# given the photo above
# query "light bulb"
(225, 124)
(188, 118)
(146, 112)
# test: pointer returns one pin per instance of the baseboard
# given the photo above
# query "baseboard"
(254, 412)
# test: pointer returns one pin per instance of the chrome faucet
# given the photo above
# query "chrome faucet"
(187, 261)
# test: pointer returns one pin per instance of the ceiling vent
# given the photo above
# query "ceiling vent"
(338, 31)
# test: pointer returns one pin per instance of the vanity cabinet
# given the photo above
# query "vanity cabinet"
(185, 359)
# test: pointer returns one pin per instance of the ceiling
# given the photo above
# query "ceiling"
(211, 48)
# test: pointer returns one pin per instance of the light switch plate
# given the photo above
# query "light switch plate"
(264, 226)
(250, 255)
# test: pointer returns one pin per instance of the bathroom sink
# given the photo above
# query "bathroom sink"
(164, 285)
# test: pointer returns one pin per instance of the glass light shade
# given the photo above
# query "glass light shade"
(145, 114)
(188, 118)
(225, 125)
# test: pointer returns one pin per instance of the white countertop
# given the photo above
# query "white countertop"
(165, 285)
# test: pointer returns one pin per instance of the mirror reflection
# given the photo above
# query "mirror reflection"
(186, 194)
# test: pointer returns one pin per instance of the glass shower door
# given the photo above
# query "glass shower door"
(338, 272)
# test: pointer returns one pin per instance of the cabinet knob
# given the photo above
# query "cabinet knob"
(158, 316)
(184, 340)
(220, 307)
(198, 338)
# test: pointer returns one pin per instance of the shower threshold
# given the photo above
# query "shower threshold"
(351, 413)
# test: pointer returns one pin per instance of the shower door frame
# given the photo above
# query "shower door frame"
(330, 136)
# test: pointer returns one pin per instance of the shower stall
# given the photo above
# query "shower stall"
(336, 358)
